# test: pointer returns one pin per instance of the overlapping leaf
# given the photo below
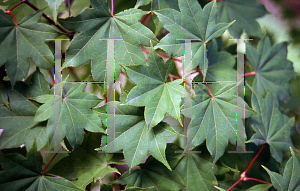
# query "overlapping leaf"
(153, 90)
(192, 22)
(21, 114)
(97, 23)
(22, 173)
(85, 164)
(273, 70)
(76, 114)
(220, 65)
(23, 42)
(54, 4)
(272, 126)
(130, 134)
(245, 14)
(152, 173)
(214, 118)
(290, 181)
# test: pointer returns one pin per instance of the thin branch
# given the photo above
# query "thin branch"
(17, 5)
(148, 19)
(10, 13)
(249, 73)
(246, 178)
(112, 8)
(254, 159)
(235, 184)
(198, 70)
(52, 159)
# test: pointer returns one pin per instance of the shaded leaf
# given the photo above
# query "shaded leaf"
(22, 173)
(273, 70)
(290, 181)
(54, 4)
(23, 42)
(272, 126)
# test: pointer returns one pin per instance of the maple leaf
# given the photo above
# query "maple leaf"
(273, 70)
(75, 114)
(290, 180)
(85, 164)
(153, 90)
(130, 134)
(20, 173)
(245, 13)
(24, 42)
(214, 118)
(21, 115)
(271, 126)
(97, 23)
(192, 22)
(152, 173)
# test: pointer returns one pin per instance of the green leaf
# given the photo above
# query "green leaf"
(214, 118)
(290, 181)
(152, 173)
(23, 42)
(245, 14)
(54, 4)
(130, 134)
(196, 172)
(192, 22)
(21, 114)
(3, 97)
(97, 23)
(273, 70)
(124, 94)
(153, 90)
(85, 164)
(220, 65)
(272, 126)
(22, 173)
(76, 114)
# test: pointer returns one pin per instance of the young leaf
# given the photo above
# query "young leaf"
(192, 22)
(54, 4)
(214, 118)
(84, 163)
(272, 126)
(273, 70)
(153, 90)
(130, 134)
(22, 173)
(23, 42)
(245, 13)
(76, 114)
(290, 181)
(152, 173)
(97, 23)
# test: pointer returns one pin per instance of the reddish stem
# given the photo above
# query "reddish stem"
(10, 13)
(17, 5)
(144, 17)
(52, 159)
(198, 70)
(112, 8)
(255, 158)
(249, 73)
(148, 19)
(162, 34)
(235, 184)
(245, 179)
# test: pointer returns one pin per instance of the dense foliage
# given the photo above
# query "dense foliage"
(174, 115)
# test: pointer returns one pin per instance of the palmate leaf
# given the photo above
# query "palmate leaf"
(214, 118)
(272, 126)
(21, 114)
(245, 13)
(290, 181)
(153, 90)
(23, 42)
(22, 173)
(152, 173)
(97, 23)
(273, 70)
(85, 164)
(130, 134)
(76, 114)
(192, 22)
